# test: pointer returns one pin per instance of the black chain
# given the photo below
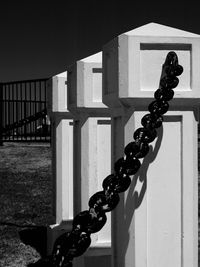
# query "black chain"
(75, 243)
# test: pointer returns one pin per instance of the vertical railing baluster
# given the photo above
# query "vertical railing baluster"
(1, 114)
(13, 111)
(30, 109)
(16, 109)
(35, 134)
(25, 111)
(45, 120)
(40, 107)
(9, 120)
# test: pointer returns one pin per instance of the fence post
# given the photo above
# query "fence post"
(1, 114)
(92, 155)
(62, 156)
(156, 222)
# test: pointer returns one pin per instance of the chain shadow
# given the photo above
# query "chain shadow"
(32, 235)
(133, 201)
(134, 198)
(36, 237)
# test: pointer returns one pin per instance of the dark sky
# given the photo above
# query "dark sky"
(40, 38)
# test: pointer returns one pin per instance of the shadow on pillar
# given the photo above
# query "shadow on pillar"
(134, 198)
(77, 163)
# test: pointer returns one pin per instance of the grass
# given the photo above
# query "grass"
(25, 198)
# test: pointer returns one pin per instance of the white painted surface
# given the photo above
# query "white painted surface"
(141, 53)
(62, 156)
(156, 221)
(57, 93)
(95, 58)
(155, 29)
(148, 75)
(104, 169)
(161, 206)
(91, 165)
(85, 81)
(162, 230)
(64, 170)
(97, 87)
(92, 145)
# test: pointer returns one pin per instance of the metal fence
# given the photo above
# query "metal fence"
(23, 111)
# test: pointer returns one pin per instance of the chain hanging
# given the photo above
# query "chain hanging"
(75, 243)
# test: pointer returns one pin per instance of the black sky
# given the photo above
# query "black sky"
(40, 38)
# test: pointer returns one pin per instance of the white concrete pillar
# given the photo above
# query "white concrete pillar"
(92, 147)
(62, 156)
(156, 222)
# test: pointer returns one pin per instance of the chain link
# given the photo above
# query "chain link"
(76, 242)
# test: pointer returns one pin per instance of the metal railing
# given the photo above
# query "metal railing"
(19, 102)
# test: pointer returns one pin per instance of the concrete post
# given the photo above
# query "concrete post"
(156, 222)
(62, 157)
(92, 147)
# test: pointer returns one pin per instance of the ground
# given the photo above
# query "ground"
(25, 200)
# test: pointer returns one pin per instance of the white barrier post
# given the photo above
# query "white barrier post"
(62, 157)
(156, 222)
(92, 145)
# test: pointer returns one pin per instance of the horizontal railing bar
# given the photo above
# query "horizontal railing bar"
(22, 101)
(28, 140)
(26, 81)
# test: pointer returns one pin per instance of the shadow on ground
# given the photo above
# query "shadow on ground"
(35, 237)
